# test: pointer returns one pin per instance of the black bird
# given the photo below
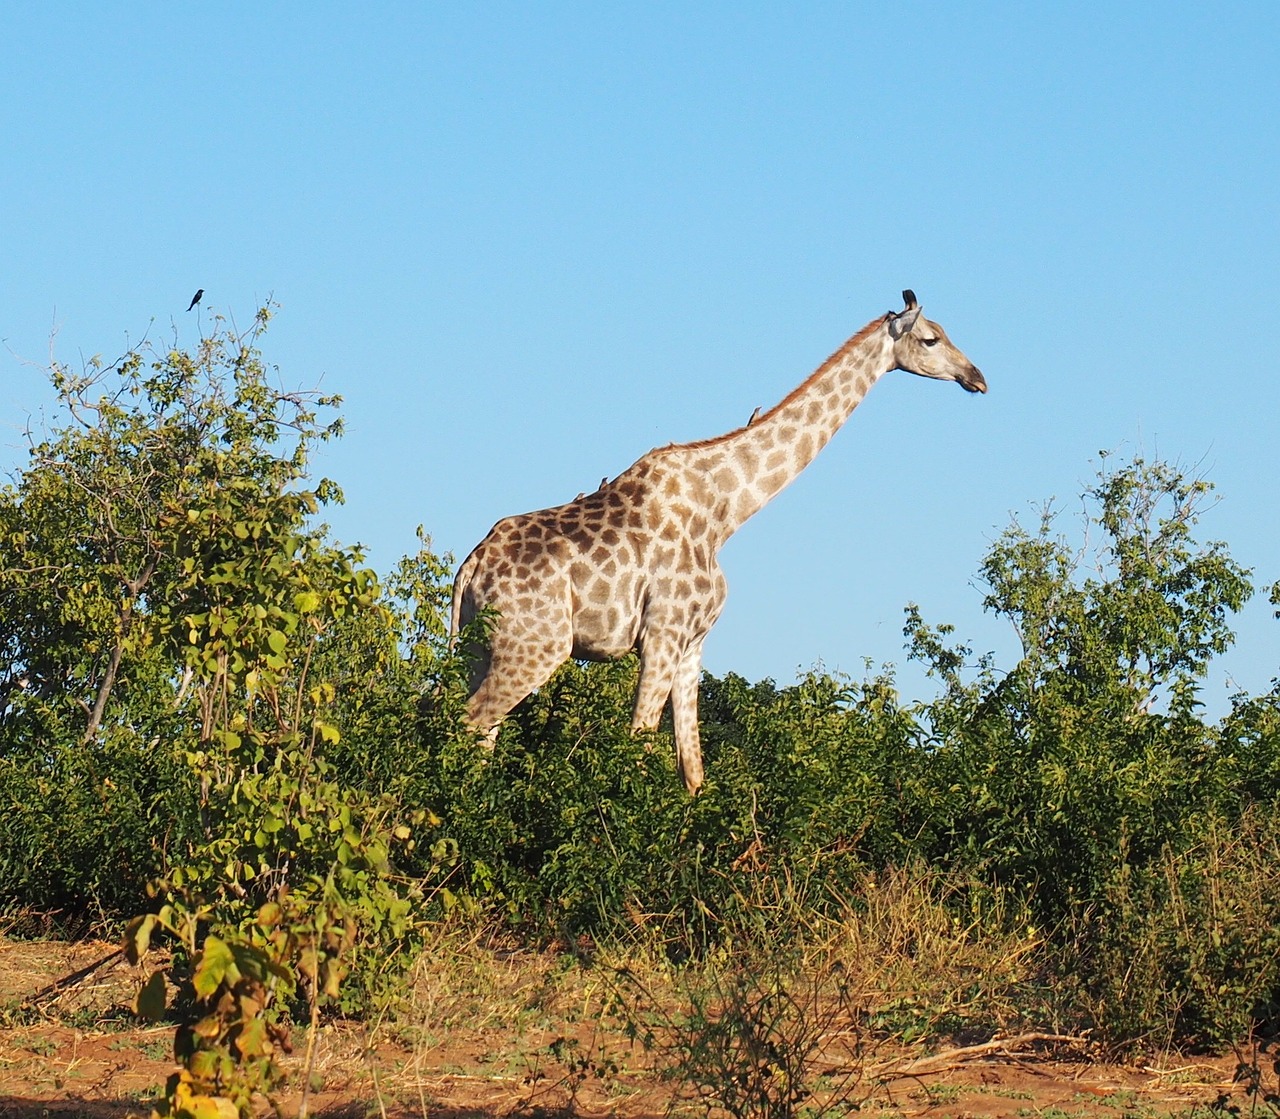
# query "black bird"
(195, 299)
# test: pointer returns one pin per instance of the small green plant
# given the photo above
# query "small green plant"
(942, 1093)
(42, 1046)
(229, 1044)
(156, 1050)
(580, 1064)
(316, 859)
(770, 1036)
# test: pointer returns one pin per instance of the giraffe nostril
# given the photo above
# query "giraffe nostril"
(973, 380)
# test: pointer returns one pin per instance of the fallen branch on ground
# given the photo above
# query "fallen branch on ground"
(60, 985)
(954, 1058)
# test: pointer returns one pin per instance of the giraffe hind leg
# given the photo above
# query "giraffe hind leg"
(684, 717)
(510, 673)
(665, 672)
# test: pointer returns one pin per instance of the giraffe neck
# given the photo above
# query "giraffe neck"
(744, 469)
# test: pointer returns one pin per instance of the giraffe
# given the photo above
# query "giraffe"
(633, 564)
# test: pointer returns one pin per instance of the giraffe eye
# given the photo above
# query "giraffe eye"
(930, 341)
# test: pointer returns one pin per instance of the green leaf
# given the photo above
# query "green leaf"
(306, 601)
(214, 962)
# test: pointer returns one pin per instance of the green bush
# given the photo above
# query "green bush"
(1184, 948)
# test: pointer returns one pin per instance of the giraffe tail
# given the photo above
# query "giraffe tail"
(461, 584)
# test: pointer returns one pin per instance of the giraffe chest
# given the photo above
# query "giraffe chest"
(609, 585)
(621, 590)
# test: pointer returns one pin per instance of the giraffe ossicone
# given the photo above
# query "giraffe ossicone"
(633, 564)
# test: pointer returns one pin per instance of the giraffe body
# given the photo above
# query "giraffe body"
(633, 565)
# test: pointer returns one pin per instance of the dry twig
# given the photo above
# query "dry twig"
(954, 1058)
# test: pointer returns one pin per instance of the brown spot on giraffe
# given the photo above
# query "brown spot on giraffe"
(602, 575)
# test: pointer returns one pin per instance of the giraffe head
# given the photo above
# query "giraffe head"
(922, 347)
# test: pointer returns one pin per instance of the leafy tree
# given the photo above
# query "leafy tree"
(90, 527)
(1088, 753)
(162, 473)
(168, 599)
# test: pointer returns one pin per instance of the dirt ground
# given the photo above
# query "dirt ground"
(69, 1047)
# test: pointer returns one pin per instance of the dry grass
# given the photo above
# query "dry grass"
(552, 1028)
(924, 968)
(491, 1026)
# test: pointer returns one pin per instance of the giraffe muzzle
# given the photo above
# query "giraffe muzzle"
(972, 380)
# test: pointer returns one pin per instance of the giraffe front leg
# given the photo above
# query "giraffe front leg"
(684, 715)
(667, 671)
(658, 661)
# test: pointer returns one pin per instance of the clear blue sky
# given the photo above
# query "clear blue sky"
(529, 242)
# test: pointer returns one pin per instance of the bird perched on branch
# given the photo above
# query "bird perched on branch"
(195, 299)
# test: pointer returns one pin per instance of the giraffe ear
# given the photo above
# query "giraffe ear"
(900, 324)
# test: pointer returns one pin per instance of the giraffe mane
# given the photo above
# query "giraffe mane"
(865, 332)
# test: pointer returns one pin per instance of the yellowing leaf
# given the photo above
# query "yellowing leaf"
(150, 1003)
(211, 1107)
(204, 1064)
(253, 1041)
(137, 937)
(209, 1027)
(269, 915)
(331, 976)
